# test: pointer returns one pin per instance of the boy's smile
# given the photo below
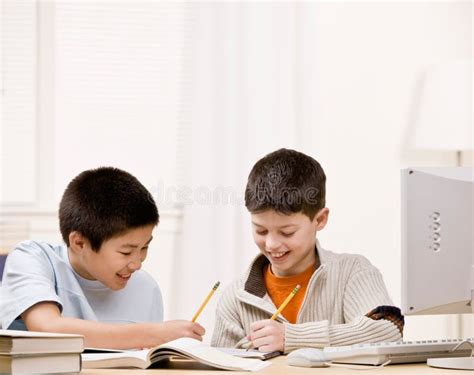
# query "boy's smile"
(288, 241)
(118, 258)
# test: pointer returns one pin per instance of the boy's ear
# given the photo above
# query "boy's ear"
(77, 242)
(321, 218)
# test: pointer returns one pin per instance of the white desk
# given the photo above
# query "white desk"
(279, 367)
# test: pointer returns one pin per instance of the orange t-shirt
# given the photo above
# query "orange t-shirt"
(279, 288)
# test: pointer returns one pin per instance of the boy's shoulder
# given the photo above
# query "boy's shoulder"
(36, 246)
(37, 249)
(328, 256)
(36, 259)
(231, 291)
(351, 262)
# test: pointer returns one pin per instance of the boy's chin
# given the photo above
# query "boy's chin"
(279, 262)
(112, 284)
(115, 287)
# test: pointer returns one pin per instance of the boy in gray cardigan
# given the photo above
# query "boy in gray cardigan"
(342, 300)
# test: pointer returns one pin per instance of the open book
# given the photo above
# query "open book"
(183, 348)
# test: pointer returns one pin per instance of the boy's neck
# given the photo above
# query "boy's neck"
(75, 264)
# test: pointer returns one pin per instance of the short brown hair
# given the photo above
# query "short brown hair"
(286, 181)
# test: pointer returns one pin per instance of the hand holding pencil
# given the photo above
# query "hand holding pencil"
(268, 335)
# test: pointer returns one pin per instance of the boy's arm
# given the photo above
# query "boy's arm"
(367, 311)
(228, 330)
(46, 317)
(320, 334)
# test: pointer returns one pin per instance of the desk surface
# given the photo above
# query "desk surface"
(279, 367)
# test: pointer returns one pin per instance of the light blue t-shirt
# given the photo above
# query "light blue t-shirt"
(37, 271)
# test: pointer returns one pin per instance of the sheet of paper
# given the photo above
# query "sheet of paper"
(141, 354)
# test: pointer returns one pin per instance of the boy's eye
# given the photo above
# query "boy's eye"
(124, 253)
(288, 234)
(261, 232)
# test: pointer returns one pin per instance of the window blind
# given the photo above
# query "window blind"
(18, 103)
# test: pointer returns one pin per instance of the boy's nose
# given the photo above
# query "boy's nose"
(271, 243)
(135, 265)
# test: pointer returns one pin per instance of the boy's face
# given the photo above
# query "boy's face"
(288, 241)
(117, 259)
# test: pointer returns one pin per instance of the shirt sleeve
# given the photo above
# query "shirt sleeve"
(364, 293)
(28, 279)
(228, 331)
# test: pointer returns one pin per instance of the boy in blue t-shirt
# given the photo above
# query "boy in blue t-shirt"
(93, 284)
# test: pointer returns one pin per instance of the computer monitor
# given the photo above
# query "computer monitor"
(437, 241)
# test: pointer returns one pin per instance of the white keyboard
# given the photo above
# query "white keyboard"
(397, 352)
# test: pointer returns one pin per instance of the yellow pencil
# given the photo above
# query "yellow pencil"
(216, 285)
(286, 302)
(282, 306)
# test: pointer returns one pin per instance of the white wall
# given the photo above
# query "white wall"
(367, 59)
(354, 100)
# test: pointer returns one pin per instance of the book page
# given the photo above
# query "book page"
(29, 342)
(13, 333)
(132, 358)
(213, 357)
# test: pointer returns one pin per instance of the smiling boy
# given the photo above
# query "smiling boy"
(93, 284)
(342, 300)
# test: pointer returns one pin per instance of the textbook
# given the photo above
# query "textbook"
(39, 352)
(177, 350)
(40, 363)
(242, 353)
(28, 342)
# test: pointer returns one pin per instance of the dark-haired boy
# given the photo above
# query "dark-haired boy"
(93, 285)
(342, 300)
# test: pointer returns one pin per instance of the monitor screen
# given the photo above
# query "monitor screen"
(437, 240)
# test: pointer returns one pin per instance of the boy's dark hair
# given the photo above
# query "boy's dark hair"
(103, 203)
(286, 181)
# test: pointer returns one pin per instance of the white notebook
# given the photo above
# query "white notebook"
(183, 348)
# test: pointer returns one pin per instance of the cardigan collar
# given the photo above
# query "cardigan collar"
(254, 283)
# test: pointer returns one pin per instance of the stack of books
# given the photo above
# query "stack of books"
(39, 352)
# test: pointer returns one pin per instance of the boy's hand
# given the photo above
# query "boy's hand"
(267, 335)
(174, 329)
